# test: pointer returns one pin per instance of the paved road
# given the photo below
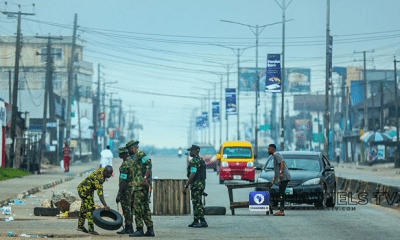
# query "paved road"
(365, 222)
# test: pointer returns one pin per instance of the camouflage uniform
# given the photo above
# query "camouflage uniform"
(125, 194)
(86, 192)
(197, 188)
(141, 163)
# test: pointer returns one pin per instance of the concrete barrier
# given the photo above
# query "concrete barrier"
(376, 193)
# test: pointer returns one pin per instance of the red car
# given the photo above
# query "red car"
(209, 155)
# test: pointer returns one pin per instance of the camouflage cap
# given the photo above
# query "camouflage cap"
(122, 150)
(132, 143)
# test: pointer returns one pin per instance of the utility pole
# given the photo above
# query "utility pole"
(78, 96)
(215, 98)
(220, 113)
(327, 80)
(332, 116)
(365, 89)
(48, 93)
(18, 47)
(397, 160)
(283, 7)
(71, 61)
(209, 116)
(9, 86)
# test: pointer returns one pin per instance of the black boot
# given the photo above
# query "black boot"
(193, 223)
(150, 232)
(138, 233)
(127, 230)
(201, 224)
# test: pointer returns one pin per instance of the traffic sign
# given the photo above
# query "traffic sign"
(51, 124)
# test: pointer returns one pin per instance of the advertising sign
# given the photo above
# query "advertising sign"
(230, 94)
(248, 79)
(273, 76)
(199, 122)
(296, 79)
(215, 112)
(259, 201)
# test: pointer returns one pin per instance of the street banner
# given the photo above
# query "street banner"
(205, 122)
(216, 112)
(273, 79)
(230, 94)
(199, 122)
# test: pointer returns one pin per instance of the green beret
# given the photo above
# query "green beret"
(122, 150)
(132, 143)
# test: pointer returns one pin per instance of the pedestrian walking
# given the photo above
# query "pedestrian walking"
(125, 190)
(196, 173)
(67, 156)
(86, 190)
(338, 153)
(283, 175)
(141, 173)
(106, 157)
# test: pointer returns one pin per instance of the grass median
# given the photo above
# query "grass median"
(9, 173)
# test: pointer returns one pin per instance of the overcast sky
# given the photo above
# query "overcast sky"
(162, 47)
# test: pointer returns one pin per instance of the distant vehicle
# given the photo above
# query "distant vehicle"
(209, 154)
(312, 178)
(236, 161)
(180, 152)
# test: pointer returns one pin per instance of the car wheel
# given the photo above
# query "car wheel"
(107, 225)
(322, 201)
(221, 181)
(214, 211)
(330, 202)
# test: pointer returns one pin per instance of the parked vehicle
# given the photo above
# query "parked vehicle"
(209, 154)
(312, 179)
(236, 161)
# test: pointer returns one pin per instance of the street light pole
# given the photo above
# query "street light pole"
(256, 33)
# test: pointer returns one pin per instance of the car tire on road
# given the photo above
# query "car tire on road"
(48, 212)
(215, 211)
(330, 202)
(221, 181)
(105, 224)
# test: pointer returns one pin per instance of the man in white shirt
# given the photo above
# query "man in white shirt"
(106, 157)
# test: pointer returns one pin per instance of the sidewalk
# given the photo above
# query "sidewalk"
(10, 189)
(381, 173)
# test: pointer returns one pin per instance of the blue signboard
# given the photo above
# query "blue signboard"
(199, 122)
(230, 94)
(357, 92)
(215, 112)
(205, 122)
(259, 201)
(273, 79)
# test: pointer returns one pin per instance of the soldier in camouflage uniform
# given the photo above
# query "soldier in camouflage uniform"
(141, 172)
(196, 174)
(86, 192)
(125, 189)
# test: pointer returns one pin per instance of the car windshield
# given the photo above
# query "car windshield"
(237, 152)
(304, 162)
(207, 150)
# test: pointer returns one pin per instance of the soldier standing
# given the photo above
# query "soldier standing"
(125, 189)
(141, 172)
(196, 173)
(86, 192)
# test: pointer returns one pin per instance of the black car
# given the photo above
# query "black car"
(312, 179)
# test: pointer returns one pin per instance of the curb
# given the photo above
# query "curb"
(43, 187)
(389, 195)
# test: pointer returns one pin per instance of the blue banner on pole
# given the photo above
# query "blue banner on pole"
(215, 112)
(230, 94)
(205, 120)
(199, 122)
(273, 79)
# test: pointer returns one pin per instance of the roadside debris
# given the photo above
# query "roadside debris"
(6, 210)
(9, 219)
